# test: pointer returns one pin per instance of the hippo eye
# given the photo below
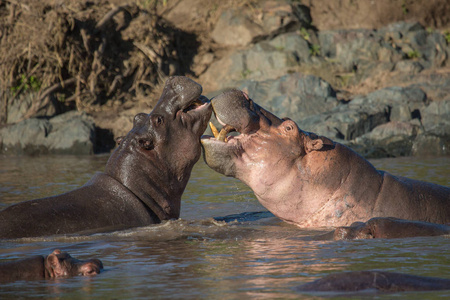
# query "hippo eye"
(289, 128)
(158, 120)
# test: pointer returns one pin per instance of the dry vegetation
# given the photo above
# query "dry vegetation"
(85, 53)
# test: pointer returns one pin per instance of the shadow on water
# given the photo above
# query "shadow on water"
(226, 245)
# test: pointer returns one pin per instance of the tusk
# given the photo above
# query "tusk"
(223, 133)
(214, 130)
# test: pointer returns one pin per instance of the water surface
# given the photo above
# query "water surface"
(256, 256)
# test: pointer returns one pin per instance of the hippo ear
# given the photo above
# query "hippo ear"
(54, 266)
(119, 140)
(317, 143)
(313, 145)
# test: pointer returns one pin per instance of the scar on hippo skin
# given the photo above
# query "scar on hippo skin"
(56, 265)
(143, 180)
(300, 177)
(374, 281)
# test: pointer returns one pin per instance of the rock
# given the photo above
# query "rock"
(402, 28)
(345, 123)
(19, 106)
(429, 145)
(240, 26)
(294, 95)
(69, 133)
(235, 29)
(408, 66)
(354, 47)
(73, 133)
(394, 138)
(264, 60)
(405, 102)
(431, 48)
(436, 118)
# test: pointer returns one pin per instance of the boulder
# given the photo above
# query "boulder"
(264, 60)
(394, 138)
(295, 95)
(242, 26)
(19, 106)
(69, 133)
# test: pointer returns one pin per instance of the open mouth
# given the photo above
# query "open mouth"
(196, 104)
(222, 135)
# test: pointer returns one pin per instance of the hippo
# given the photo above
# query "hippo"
(57, 264)
(310, 180)
(388, 228)
(374, 281)
(144, 177)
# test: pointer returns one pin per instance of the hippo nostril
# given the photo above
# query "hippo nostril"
(146, 144)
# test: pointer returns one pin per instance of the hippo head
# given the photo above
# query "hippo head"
(236, 156)
(61, 264)
(154, 160)
(267, 151)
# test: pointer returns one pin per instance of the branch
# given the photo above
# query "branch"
(109, 16)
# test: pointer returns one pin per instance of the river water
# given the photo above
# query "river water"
(225, 246)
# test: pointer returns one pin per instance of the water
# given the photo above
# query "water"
(198, 257)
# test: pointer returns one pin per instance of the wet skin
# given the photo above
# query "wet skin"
(143, 180)
(57, 264)
(309, 180)
(388, 228)
(374, 281)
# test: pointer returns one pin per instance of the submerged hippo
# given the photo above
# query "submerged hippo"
(144, 177)
(57, 264)
(374, 281)
(310, 180)
(388, 228)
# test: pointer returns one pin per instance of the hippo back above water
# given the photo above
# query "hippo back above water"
(310, 180)
(144, 177)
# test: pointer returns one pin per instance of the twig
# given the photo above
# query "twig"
(85, 40)
(56, 87)
(44, 99)
(109, 16)
(150, 53)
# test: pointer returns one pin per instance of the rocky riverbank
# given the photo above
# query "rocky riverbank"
(382, 90)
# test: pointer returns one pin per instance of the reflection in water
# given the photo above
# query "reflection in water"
(233, 256)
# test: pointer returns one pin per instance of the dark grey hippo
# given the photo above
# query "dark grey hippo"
(143, 180)
(57, 264)
(374, 281)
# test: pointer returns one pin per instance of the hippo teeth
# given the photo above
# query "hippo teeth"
(222, 135)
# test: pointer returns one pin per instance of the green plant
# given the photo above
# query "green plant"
(314, 50)
(405, 9)
(25, 83)
(245, 73)
(447, 36)
(304, 33)
(413, 54)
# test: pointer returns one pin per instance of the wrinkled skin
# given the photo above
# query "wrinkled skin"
(374, 281)
(388, 228)
(57, 264)
(309, 180)
(144, 177)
